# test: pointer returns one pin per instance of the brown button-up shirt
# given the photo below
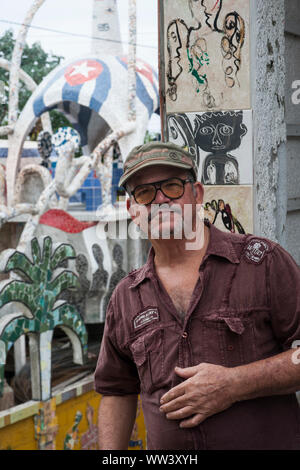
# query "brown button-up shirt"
(245, 307)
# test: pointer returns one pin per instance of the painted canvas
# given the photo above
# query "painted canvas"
(205, 46)
(229, 208)
(221, 142)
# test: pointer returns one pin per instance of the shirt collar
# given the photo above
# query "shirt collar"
(220, 244)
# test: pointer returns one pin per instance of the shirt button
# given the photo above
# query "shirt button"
(184, 335)
(230, 347)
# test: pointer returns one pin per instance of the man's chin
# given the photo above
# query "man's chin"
(165, 231)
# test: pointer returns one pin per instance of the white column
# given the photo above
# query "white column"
(105, 28)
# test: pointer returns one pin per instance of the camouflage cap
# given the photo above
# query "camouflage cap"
(157, 153)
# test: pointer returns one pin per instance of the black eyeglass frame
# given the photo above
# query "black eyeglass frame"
(157, 185)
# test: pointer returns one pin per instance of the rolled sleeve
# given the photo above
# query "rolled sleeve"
(116, 373)
(284, 292)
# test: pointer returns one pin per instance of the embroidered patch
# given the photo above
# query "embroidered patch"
(256, 250)
(148, 316)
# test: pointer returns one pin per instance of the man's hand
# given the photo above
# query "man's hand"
(205, 391)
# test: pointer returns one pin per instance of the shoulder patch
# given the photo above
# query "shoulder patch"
(256, 250)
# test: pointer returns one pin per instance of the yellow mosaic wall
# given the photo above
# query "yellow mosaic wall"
(59, 424)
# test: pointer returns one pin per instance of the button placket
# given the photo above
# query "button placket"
(199, 287)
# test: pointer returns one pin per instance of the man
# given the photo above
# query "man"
(205, 331)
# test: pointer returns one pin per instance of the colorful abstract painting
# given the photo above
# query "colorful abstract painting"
(229, 208)
(205, 46)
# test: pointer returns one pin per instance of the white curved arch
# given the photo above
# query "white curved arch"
(26, 171)
(112, 105)
(31, 86)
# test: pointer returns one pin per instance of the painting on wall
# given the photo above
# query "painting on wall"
(221, 142)
(229, 208)
(205, 47)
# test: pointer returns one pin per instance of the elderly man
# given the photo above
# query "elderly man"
(205, 331)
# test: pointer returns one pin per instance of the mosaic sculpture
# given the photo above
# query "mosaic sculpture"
(39, 290)
(90, 91)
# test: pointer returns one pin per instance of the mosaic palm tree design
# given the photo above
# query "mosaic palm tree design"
(39, 290)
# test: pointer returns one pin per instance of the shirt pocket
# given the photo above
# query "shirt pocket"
(229, 341)
(148, 354)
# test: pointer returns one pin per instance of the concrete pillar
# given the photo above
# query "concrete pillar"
(268, 101)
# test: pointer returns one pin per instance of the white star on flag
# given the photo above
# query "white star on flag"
(82, 69)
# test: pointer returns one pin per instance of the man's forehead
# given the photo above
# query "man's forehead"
(155, 173)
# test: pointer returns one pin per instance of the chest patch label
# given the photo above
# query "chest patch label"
(256, 250)
(148, 316)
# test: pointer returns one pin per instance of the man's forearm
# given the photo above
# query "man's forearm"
(276, 375)
(115, 421)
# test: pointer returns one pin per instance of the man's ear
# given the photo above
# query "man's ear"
(131, 208)
(199, 192)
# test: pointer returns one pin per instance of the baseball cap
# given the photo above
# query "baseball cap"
(157, 153)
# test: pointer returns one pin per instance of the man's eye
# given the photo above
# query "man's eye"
(142, 192)
(172, 185)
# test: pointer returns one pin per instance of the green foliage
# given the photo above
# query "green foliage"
(35, 62)
(41, 292)
(150, 137)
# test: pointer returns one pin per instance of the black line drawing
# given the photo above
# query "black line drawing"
(219, 133)
(216, 133)
(231, 46)
(182, 132)
(207, 10)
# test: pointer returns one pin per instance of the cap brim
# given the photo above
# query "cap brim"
(126, 177)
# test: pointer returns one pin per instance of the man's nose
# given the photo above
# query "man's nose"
(160, 198)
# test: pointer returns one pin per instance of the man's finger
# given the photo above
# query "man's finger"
(176, 404)
(175, 392)
(194, 421)
(181, 413)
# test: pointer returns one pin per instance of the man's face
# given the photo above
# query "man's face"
(174, 213)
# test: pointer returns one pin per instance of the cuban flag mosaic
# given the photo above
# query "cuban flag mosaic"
(92, 93)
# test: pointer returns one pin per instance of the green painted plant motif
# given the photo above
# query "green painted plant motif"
(39, 290)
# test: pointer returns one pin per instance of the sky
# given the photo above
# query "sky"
(75, 16)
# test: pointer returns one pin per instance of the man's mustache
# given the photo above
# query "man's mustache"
(163, 208)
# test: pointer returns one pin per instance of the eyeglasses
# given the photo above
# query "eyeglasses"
(172, 188)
